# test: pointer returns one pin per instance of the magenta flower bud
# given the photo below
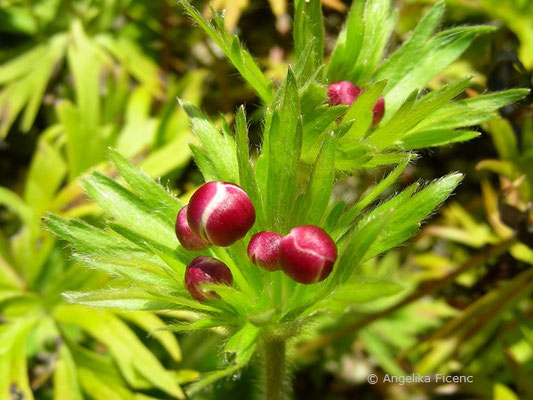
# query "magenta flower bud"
(263, 250)
(220, 213)
(378, 110)
(186, 236)
(307, 254)
(344, 92)
(204, 270)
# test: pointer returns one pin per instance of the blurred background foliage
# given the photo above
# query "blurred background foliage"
(79, 76)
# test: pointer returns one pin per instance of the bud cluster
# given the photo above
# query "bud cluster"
(220, 213)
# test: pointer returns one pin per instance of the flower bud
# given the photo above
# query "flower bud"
(220, 213)
(186, 236)
(378, 110)
(344, 92)
(204, 270)
(307, 254)
(263, 250)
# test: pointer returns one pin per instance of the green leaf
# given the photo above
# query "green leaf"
(350, 215)
(440, 52)
(353, 154)
(13, 357)
(308, 33)
(66, 385)
(84, 147)
(152, 324)
(150, 192)
(407, 215)
(408, 117)
(219, 148)
(284, 140)
(361, 43)
(348, 44)
(316, 122)
(129, 352)
(239, 57)
(401, 62)
(366, 290)
(47, 170)
(356, 245)
(504, 139)
(85, 141)
(247, 177)
(141, 271)
(471, 111)
(139, 129)
(127, 209)
(205, 166)
(135, 300)
(25, 78)
(13, 202)
(242, 344)
(381, 352)
(436, 137)
(135, 61)
(320, 185)
(361, 112)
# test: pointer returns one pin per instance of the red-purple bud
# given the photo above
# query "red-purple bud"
(344, 92)
(204, 270)
(220, 213)
(307, 254)
(186, 236)
(263, 250)
(378, 110)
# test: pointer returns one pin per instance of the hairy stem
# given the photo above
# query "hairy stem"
(274, 367)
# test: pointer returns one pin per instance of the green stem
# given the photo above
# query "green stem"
(275, 367)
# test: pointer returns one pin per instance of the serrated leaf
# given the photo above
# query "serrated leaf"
(413, 49)
(390, 133)
(284, 140)
(361, 112)
(436, 137)
(308, 34)
(127, 209)
(440, 52)
(317, 122)
(471, 111)
(361, 43)
(219, 149)
(247, 177)
(86, 237)
(320, 185)
(150, 192)
(239, 57)
(350, 215)
(138, 271)
(135, 300)
(407, 216)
